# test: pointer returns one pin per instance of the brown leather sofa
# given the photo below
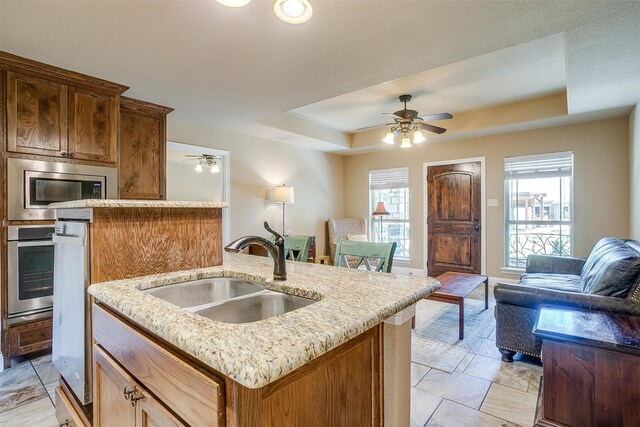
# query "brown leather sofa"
(608, 280)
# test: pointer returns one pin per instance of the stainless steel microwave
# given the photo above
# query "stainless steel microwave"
(33, 185)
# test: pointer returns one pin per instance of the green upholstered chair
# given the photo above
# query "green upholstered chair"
(297, 247)
(365, 252)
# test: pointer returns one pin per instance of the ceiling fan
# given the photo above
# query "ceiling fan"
(407, 121)
(207, 160)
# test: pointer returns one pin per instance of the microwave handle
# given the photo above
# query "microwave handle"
(68, 240)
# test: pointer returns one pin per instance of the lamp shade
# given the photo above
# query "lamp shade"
(380, 210)
(283, 194)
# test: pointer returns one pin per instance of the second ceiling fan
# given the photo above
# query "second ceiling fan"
(407, 121)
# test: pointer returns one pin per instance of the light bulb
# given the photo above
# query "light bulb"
(234, 3)
(214, 168)
(418, 137)
(293, 11)
(199, 168)
(293, 8)
(388, 138)
(406, 142)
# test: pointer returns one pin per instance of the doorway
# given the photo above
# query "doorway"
(186, 182)
(455, 217)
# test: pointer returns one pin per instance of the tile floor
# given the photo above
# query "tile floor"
(482, 391)
(26, 393)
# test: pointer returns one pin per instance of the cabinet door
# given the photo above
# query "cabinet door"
(36, 115)
(110, 384)
(93, 119)
(142, 156)
(150, 413)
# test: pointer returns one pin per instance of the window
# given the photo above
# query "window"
(390, 186)
(538, 206)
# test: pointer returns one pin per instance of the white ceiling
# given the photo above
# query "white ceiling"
(238, 68)
(530, 69)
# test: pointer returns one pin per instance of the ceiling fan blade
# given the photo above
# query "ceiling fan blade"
(440, 116)
(371, 127)
(193, 155)
(432, 128)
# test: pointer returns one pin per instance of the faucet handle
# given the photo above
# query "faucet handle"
(278, 236)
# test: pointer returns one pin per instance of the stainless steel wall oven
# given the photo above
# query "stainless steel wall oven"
(30, 261)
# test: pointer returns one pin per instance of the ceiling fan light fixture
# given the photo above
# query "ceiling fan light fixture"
(418, 137)
(293, 11)
(214, 168)
(389, 138)
(199, 167)
(234, 3)
(406, 142)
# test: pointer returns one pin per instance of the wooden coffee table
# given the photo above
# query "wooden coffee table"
(454, 287)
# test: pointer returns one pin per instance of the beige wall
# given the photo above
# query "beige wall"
(257, 165)
(184, 183)
(634, 156)
(601, 173)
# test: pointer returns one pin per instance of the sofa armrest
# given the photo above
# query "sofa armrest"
(554, 264)
(531, 297)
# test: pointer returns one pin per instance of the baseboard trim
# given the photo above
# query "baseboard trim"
(408, 271)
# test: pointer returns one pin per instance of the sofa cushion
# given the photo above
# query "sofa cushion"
(558, 282)
(611, 269)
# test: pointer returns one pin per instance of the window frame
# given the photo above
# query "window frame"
(406, 220)
(507, 268)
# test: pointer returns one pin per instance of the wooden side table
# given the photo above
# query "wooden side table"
(591, 368)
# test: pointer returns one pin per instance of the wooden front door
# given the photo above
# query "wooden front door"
(453, 218)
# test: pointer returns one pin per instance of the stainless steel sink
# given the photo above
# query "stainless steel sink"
(255, 307)
(204, 292)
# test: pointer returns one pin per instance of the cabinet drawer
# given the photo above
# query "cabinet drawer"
(30, 337)
(65, 413)
(195, 396)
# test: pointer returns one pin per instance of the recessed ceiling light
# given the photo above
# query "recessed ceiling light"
(234, 3)
(293, 11)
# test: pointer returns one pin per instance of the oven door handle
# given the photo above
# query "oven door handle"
(68, 240)
(19, 244)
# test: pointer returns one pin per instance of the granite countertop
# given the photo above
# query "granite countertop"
(256, 354)
(115, 203)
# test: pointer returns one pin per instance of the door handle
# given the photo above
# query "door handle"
(476, 228)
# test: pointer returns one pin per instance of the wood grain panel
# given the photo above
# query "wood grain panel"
(586, 386)
(65, 412)
(452, 250)
(93, 119)
(111, 408)
(142, 155)
(137, 242)
(454, 205)
(341, 388)
(30, 337)
(453, 196)
(196, 397)
(36, 115)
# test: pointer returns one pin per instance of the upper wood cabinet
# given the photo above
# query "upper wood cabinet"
(93, 119)
(143, 141)
(36, 115)
(59, 113)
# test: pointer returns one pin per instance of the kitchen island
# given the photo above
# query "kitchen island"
(322, 364)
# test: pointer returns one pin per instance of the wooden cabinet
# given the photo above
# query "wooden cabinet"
(65, 412)
(36, 115)
(143, 141)
(60, 113)
(93, 118)
(591, 368)
(120, 401)
(345, 384)
(29, 337)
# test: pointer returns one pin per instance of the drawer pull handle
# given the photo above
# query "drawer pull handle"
(132, 394)
(65, 424)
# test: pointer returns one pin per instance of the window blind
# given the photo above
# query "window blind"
(539, 166)
(388, 179)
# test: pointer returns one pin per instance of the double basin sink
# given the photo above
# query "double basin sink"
(229, 300)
